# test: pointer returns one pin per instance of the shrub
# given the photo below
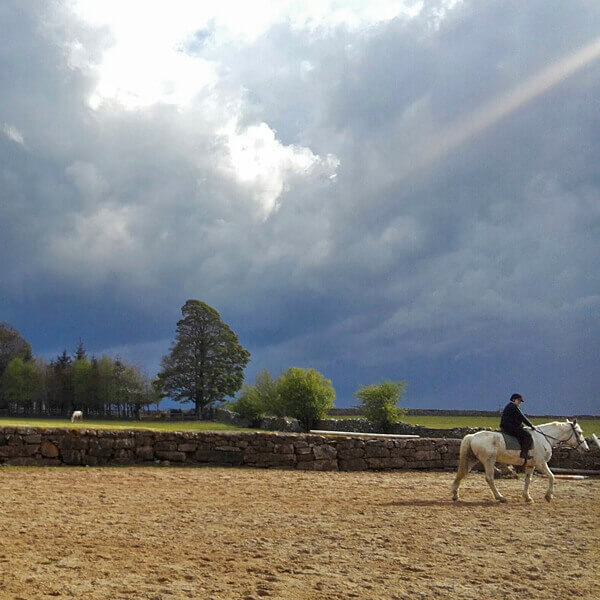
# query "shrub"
(378, 402)
(267, 389)
(306, 395)
(248, 405)
(262, 398)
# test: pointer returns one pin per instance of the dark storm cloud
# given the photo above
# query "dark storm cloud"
(470, 275)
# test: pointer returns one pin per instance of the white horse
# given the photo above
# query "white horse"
(489, 447)
(77, 416)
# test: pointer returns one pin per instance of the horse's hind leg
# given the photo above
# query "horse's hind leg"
(528, 474)
(489, 477)
(461, 475)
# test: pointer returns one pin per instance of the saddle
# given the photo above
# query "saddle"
(511, 442)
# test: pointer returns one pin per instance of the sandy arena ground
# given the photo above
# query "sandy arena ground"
(213, 533)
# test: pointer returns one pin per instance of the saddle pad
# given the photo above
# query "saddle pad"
(512, 443)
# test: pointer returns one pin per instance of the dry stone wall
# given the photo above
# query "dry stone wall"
(366, 426)
(40, 446)
(31, 446)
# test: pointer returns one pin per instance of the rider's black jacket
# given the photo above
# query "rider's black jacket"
(512, 418)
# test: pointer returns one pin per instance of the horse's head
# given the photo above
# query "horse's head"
(577, 440)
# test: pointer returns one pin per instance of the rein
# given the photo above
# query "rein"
(561, 441)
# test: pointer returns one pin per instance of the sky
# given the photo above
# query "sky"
(383, 190)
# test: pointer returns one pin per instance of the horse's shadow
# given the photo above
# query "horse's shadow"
(457, 503)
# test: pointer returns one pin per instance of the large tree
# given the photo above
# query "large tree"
(206, 362)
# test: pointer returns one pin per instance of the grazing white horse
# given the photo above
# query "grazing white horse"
(77, 416)
(489, 447)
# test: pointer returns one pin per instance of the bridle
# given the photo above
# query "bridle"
(560, 441)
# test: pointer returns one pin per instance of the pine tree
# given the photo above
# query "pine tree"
(80, 353)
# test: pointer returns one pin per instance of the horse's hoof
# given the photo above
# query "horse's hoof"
(549, 498)
(501, 499)
(529, 500)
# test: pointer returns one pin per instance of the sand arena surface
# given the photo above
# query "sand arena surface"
(216, 533)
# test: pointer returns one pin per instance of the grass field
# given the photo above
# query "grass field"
(98, 424)
(589, 426)
(436, 422)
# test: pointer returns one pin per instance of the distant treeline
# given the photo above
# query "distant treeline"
(100, 387)
(442, 412)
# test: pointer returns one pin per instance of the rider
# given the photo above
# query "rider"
(512, 423)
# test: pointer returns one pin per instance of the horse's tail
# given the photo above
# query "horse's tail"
(463, 458)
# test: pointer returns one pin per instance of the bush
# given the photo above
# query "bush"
(267, 389)
(306, 395)
(249, 405)
(258, 400)
(378, 402)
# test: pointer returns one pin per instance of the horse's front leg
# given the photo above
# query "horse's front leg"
(545, 469)
(489, 477)
(528, 475)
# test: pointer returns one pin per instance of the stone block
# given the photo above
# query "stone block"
(165, 446)
(31, 449)
(302, 458)
(123, 456)
(324, 452)
(392, 462)
(350, 453)
(124, 443)
(49, 450)
(284, 448)
(273, 460)
(72, 450)
(78, 443)
(34, 438)
(187, 447)
(415, 464)
(376, 451)
(144, 440)
(99, 451)
(422, 455)
(218, 457)
(326, 465)
(9, 451)
(171, 455)
(144, 452)
(344, 443)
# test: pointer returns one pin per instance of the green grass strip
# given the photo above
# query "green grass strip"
(100, 424)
